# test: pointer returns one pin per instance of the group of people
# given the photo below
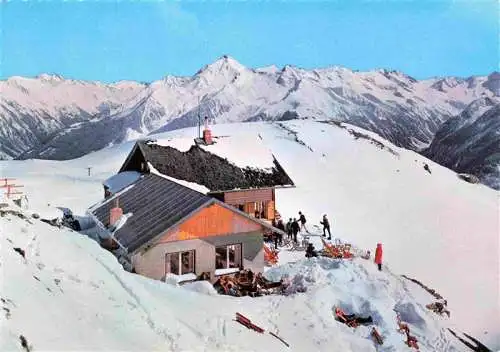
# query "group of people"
(291, 228)
(294, 226)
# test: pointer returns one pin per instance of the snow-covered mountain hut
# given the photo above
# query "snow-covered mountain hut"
(165, 227)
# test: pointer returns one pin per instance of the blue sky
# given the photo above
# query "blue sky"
(147, 40)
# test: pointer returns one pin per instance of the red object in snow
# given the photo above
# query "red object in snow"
(412, 341)
(240, 318)
(377, 337)
(378, 254)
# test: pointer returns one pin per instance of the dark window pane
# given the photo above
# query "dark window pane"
(234, 252)
(220, 258)
(187, 260)
(173, 261)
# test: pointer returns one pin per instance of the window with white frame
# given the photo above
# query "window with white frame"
(179, 263)
(227, 257)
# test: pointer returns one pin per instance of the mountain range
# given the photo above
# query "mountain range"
(470, 142)
(50, 117)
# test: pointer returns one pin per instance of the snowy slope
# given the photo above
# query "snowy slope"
(470, 142)
(93, 304)
(434, 227)
(44, 117)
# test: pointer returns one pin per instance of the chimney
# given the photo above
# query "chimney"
(207, 134)
(115, 214)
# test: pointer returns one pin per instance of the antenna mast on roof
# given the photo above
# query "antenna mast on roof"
(199, 119)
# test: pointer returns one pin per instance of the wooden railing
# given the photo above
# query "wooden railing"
(9, 186)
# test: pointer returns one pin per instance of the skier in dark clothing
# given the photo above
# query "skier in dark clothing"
(302, 219)
(289, 228)
(326, 227)
(280, 226)
(295, 229)
(310, 252)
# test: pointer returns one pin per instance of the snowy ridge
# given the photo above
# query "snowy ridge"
(42, 117)
(424, 220)
(470, 142)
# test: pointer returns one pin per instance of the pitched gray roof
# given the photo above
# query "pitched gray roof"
(156, 204)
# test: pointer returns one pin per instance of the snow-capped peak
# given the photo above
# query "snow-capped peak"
(50, 77)
(224, 64)
(477, 108)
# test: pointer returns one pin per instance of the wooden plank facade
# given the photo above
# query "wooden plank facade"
(259, 202)
(199, 239)
(214, 220)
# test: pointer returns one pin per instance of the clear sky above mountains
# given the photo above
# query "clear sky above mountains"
(144, 41)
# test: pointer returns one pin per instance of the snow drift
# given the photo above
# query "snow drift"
(434, 227)
(93, 304)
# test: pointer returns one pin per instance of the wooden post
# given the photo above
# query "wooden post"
(5, 179)
(9, 192)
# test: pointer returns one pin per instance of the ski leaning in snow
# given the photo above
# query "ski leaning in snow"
(376, 336)
(240, 318)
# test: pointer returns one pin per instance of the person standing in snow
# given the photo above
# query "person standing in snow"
(302, 219)
(281, 226)
(310, 252)
(326, 226)
(378, 256)
(295, 229)
(276, 237)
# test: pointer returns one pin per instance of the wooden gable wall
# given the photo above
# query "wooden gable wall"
(250, 195)
(214, 220)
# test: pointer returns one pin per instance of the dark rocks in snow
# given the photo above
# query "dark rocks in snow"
(426, 168)
(430, 290)
(469, 178)
(295, 136)
(8, 211)
(6, 303)
(53, 222)
(20, 251)
(24, 343)
(476, 346)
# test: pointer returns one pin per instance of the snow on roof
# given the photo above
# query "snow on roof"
(121, 221)
(194, 186)
(121, 180)
(182, 144)
(242, 150)
(112, 198)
